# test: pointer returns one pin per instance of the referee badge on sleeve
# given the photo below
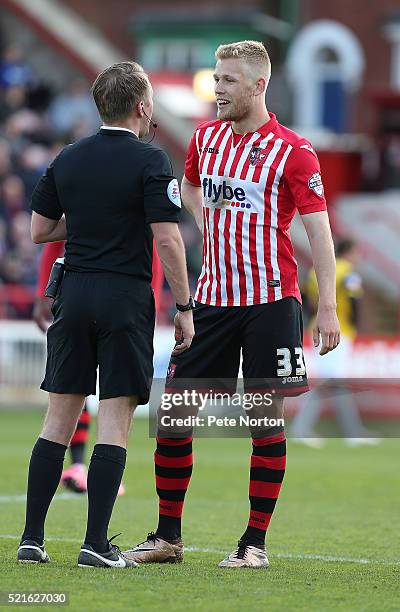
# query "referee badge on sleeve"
(173, 193)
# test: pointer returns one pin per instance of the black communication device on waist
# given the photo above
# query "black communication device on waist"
(55, 278)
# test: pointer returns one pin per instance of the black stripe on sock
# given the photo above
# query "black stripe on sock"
(171, 495)
(253, 537)
(167, 472)
(270, 450)
(266, 474)
(174, 451)
(262, 504)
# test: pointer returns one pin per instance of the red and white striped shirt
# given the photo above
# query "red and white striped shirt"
(252, 186)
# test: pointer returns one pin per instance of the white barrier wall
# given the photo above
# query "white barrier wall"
(23, 359)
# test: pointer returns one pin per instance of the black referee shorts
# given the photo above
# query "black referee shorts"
(268, 336)
(101, 320)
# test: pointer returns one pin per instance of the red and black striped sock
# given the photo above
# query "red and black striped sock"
(267, 469)
(77, 446)
(173, 461)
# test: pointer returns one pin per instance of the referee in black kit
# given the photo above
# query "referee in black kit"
(107, 196)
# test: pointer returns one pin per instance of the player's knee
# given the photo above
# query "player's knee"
(58, 431)
(266, 419)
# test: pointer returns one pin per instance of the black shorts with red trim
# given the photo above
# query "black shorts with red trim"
(268, 336)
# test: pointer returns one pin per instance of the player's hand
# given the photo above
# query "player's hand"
(184, 331)
(326, 329)
(42, 313)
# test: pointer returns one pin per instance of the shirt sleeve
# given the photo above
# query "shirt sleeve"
(303, 176)
(45, 199)
(192, 162)
(162, 199)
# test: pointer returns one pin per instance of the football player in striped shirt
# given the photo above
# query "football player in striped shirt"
(246, 175)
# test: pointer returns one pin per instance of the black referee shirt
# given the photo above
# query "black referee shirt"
(110, 186)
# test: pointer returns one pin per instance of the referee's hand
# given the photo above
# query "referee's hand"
(42, 313)
(184, 331)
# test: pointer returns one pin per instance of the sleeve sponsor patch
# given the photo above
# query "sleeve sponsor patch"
(315, 183)
(173, 193)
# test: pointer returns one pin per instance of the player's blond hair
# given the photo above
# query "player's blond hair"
(252, 51)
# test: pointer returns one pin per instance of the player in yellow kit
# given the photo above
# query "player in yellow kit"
(348, 288)
(335, 364)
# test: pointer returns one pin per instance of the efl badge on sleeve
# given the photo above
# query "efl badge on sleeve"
(315, 183)
(173, 192)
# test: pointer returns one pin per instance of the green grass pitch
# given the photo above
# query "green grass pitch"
(333, 542)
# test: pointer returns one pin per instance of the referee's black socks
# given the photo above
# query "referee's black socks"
(44, 475)
(104, 478)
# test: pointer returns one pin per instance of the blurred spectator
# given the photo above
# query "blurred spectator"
(32, 162)
(16, 79)
(3, 238)
(5, 161)
(74, 111)
(24, 249)
(14, 70)
(12, 197)
(22, 160)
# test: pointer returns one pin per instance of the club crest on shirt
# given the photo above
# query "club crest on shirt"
(315, 183)
(257, 156)
(171, 371)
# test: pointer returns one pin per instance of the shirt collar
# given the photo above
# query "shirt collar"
(122, 129)
(270, 125)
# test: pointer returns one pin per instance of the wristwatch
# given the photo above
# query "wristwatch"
(189, 306)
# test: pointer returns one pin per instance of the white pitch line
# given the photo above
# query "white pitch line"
(8, 499)
(329, 558)
(305, 556)
(7, 536)
(194, 549)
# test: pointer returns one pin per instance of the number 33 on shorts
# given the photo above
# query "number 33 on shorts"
(285, 367)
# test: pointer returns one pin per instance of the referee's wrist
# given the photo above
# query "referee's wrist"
(189, 305)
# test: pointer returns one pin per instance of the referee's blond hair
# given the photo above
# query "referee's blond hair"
(252, 52)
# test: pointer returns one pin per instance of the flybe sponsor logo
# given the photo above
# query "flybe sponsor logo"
(223, 194)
